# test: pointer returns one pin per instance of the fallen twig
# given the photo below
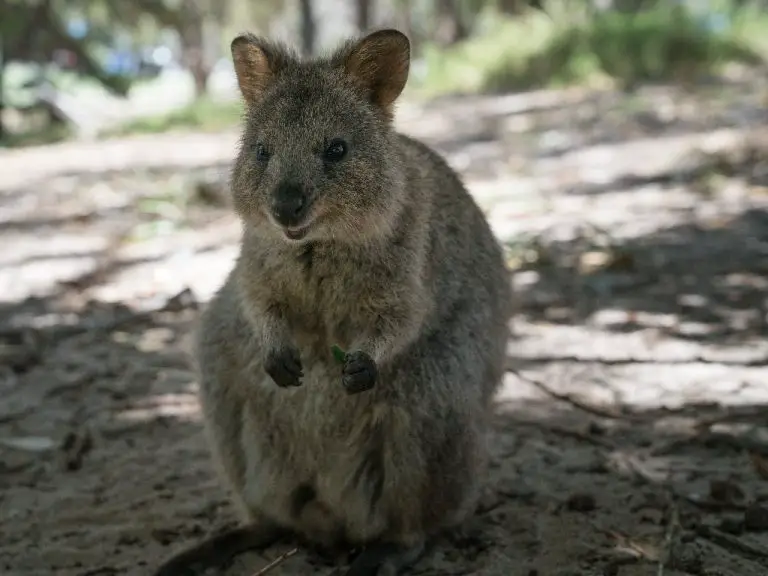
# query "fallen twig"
(277, 561)
(751, 549)
(583, 406)
(697, 359)
(641, 473)
(669, 538)
(570, 432)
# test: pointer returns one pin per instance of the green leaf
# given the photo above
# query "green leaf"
(338, 354)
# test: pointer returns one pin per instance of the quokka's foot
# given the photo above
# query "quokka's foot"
(385, 559)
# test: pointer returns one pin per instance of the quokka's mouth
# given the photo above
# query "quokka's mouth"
(295, 233)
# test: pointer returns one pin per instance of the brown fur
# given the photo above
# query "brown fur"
(398, 262)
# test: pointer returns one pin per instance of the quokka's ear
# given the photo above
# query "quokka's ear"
(256, 64)
(380, 61)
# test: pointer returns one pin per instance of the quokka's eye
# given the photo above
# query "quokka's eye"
(261, 153)
(335, 151)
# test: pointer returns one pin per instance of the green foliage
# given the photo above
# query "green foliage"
(38, 137)
(662, 44)
(205, 115)
(338, 354)
(465, 67)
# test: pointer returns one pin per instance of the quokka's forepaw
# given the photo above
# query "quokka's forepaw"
(359, 373)
(284, 367)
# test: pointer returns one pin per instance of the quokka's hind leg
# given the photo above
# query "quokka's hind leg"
(221, 548)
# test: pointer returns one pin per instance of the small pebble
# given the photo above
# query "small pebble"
(595, 428)
(581, 502)
(756, 518)
(732, 525)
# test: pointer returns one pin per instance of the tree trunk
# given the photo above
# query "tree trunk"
(308, 29)
(200, 73)
(363, 14)
(450, 28)
(192, 35)
(190, 20)
(513, 7)
(21, 26)
(2, 95)
(404, 22)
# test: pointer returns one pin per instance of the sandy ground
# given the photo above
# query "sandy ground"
(632, 429)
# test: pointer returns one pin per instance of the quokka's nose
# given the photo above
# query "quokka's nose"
(290, 205)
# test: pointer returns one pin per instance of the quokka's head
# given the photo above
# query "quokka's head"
(319, 158)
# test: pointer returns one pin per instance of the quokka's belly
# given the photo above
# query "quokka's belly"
(329, 465)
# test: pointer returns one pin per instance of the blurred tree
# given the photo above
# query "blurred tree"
(190, 19)
(3, 50)
(363, 9)
(308, 27)
(405, 21)
(197, 22)
(449, 23)
(516, 7)
(262, 11)
(32, 31)
(191, 28)
(633, 5)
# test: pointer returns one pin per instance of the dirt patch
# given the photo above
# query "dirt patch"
(105, 470)
(631, 436)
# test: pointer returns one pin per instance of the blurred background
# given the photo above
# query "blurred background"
(619, 149)
(94, 67)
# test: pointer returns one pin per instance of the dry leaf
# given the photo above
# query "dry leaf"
(277, 561)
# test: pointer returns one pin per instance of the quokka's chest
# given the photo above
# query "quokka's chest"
(327, 300)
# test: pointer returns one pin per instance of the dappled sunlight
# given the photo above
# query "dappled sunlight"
(635, 344)
(629, 433)
(182, 406)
